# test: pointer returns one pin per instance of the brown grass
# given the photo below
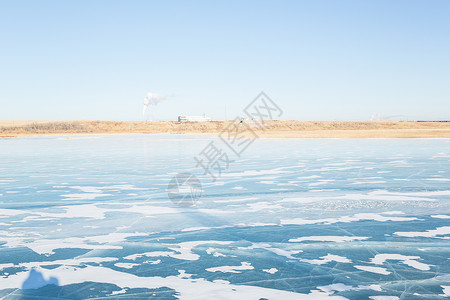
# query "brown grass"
(272, 129)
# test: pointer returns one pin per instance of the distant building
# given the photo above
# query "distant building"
(193, 119)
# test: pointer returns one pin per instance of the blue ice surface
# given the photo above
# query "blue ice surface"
(350, 218)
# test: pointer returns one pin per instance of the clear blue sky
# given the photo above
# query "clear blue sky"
(319, 60)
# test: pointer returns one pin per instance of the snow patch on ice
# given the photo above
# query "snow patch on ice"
(188, 288)
(271, 270)
(337, 239)
(281, 252)
(126, 265)
(326, 259)
(440, 216)
(411, 261)
(346, 219)
(432, 233)
(377, 270)
(232, 269)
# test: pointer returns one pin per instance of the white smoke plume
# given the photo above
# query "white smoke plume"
(380, 117)
(152, 99)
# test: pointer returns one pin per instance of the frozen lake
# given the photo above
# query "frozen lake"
(89, 217)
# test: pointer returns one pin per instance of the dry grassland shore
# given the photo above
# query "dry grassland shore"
(272, 129)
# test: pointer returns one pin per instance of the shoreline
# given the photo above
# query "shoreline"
(272, 129)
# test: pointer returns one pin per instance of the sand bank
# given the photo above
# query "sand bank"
(272, 129)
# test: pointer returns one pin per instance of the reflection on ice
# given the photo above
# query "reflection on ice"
(36, 280)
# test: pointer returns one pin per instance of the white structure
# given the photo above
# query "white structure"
(193, 119)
